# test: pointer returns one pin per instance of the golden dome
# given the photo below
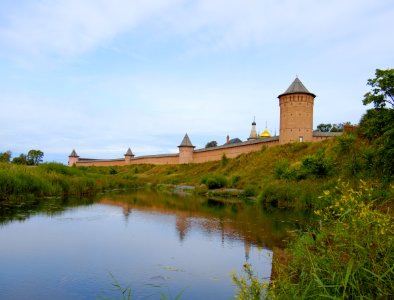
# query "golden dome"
(265, 134)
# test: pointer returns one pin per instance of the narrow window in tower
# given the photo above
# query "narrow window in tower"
(301, 139)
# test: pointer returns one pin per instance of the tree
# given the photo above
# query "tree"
(5, 156)
(20, 160)
(34, 157)
(211, 144)
(382, 89)
(338, 127)
(324, 127)
(377, 125)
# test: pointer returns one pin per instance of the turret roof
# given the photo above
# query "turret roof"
(186, 142)
(297, 87)
(129, 153)
(73, 154)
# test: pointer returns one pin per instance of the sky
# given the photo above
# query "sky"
(99, 76)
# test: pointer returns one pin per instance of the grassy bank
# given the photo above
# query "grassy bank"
(53, 179)
(349, 254)
(291, 175)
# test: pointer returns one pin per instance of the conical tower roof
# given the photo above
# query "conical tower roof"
(129, 152)
(186, 142)
(297, 87)
(73, 154)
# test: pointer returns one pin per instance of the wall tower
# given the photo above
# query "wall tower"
(128, 156)
(296, 114)
(73, 158)
(186, 149)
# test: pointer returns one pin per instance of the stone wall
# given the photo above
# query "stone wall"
(192, 156)
(152, 159)
(232, 151)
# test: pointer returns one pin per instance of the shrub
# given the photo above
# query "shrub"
(234, 180)
(224, 160)
(283, 170)
(113, 171)
(249, 191)
(213, 181)
(317, 165)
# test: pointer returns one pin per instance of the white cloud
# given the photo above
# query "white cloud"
(69, 27)
(72, 27)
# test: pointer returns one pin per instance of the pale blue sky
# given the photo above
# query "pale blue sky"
(104, 75)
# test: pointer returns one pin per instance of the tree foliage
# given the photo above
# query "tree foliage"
(34, 157)
(211, 144)
(5, 156)
(377, 125)
(20, 160)
(382, 92)
(324, 127)
(331, 127)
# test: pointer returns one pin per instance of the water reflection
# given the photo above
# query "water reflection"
(65, 248)
(264, 228)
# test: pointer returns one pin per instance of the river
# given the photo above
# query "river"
(156, 244)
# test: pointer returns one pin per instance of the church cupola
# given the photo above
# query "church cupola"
(253, 133)
(265, 133)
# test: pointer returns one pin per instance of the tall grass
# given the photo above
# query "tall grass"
(56, 180)
(350, 254)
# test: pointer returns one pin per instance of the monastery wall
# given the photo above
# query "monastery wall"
(156, 160)
(231, 151)
(296, 125)
(99, 162)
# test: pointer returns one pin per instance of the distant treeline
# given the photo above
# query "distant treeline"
(32, 158)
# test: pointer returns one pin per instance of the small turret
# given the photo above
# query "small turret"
(186, 150)
(128, 156)
(73, 158)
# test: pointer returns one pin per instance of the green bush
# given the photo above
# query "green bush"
(317, 165)
(250, 191)
(214, 181)
(234, 180)
(224, 160)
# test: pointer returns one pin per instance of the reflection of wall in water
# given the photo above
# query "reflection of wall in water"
(237, 227)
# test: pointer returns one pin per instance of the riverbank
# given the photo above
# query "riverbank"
(292, 175)
(348, 249)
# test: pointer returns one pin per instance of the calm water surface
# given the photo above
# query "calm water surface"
(153, 243)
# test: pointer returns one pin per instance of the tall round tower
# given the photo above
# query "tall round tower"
(296, 114)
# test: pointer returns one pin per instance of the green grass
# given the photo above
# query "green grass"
(291, 175)
(56, 180)
(348, 255)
